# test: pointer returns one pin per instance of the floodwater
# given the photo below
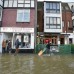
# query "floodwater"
(34, 64)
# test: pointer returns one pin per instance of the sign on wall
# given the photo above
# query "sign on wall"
(16, 29)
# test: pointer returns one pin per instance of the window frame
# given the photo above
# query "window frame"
(51, 8)
(31, 3)
(55, 25)
(23, 11)
(68, 23)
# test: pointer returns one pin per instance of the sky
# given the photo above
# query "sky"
(58, 0)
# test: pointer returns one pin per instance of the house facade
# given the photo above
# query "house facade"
(57, 22)
(18, 22)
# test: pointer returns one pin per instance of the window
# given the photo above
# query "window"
(27, 3)
(19, 3)
(68, 23)
(47, 20)
(23, 15)
(1, 2)
(53, 22)
(58, 21)
(47, 6)
(10, 3)
(15, 3)
(52, 7)
(24, 40)
(6, 3)
(32, 3)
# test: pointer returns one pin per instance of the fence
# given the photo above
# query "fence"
(62, 49)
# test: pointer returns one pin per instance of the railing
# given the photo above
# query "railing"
(61, 49)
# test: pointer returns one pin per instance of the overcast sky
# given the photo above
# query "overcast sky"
(58, 0)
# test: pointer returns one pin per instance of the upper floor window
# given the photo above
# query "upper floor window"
(23, 15)
(52, 7)
(53, 23)
(1, 2)
(68, 23)
(0, 13)
(19, 3)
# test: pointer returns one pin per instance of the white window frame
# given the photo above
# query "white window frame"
(19, 3)
(15, 3)
(32, 3)
(26, 13)
(68, 23)
(6, 3)
(10, 3)
(1, 2)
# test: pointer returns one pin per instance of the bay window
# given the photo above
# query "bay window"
(53, 23)
(52, 7)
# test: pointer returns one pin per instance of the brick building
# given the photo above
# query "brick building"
(56, 23)
(18, 22)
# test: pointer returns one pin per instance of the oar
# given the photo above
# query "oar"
(41, 52)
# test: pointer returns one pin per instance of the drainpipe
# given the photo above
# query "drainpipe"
(35, 26)
(66, 29)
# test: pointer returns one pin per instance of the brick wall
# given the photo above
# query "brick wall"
(67, 16)
(10, 16)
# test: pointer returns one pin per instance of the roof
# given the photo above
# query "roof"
(65, 7)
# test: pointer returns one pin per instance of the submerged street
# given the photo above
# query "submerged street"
(34, 64)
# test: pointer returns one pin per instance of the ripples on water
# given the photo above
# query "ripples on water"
(34, 64)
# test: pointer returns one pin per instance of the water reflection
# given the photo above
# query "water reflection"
(33, 64)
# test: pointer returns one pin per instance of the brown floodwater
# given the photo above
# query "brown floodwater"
(34, 64)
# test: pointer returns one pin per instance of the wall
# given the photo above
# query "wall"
(67, 16)
(40, 21)
(52, 15)
(10, 15)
